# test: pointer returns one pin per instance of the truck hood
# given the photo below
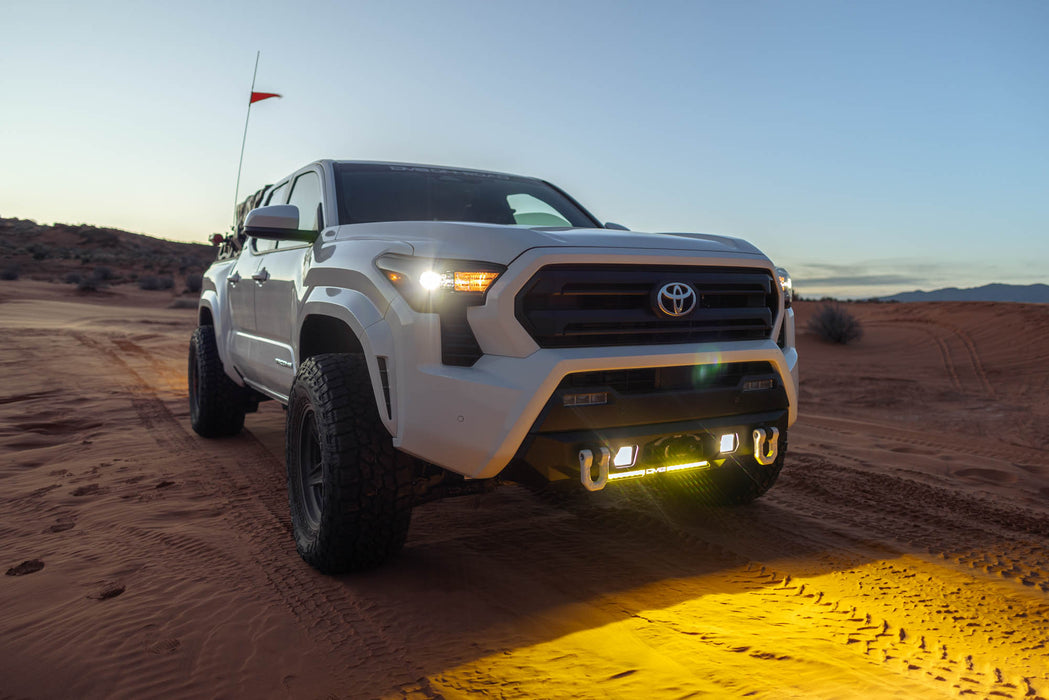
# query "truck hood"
(502, 244)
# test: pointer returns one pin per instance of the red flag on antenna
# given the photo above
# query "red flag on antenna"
(256, 96)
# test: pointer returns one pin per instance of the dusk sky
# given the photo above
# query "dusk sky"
(870, 148)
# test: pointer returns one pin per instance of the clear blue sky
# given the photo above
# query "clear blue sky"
(869, 147)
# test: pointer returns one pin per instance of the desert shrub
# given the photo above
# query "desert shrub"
(90, 284)
(73, 278)
(153, 283)
(836, 325)
(103, 273)
(194, 281)
(9, 273)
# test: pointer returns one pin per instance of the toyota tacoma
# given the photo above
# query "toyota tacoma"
(432, 331)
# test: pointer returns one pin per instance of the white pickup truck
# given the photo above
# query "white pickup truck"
(432, 330)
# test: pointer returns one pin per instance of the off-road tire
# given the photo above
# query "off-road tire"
(216, 404)
(741, 480)
(349, 490)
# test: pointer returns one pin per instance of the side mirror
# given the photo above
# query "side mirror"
(278, 222)
(616, 227)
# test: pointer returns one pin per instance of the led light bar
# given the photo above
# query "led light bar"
(625, 475)
(657, 470)
(680, 467)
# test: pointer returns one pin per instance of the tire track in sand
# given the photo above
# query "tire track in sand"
(692, 570)
(906, 437)
(968, 348)
(251, 482)
(316, 600)
(973, 353)
(974, 534)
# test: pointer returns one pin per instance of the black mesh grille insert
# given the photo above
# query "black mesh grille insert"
(593, 305)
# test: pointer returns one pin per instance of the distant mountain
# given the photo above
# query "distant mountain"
(1029, 294)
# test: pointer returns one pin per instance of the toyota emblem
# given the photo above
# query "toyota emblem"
(676, 299)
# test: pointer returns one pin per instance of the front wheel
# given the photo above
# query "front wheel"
(349, 490)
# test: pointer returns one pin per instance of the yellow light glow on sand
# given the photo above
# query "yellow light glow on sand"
(748, 631)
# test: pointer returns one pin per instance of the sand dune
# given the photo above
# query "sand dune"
(905, 551)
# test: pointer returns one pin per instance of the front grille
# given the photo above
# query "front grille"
(596, 305)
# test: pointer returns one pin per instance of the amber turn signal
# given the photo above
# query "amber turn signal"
(474, 281)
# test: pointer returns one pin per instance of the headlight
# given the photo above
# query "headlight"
(431, 285)
(787, 285)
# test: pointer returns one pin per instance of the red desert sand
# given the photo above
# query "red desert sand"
(904, 551)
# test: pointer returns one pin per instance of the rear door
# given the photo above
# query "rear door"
(278, 293)
(242, 285)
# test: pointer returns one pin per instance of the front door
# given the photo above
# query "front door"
(279, 291)
(277, 284)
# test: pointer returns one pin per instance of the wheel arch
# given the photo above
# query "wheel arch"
(204, 316)
(345, 321)
(321, 333)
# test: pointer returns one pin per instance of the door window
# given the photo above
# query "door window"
(306, 195)
(276, 196)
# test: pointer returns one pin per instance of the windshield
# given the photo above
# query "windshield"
(370, 192)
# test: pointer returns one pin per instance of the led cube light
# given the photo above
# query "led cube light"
(625, 456)
(727, 443)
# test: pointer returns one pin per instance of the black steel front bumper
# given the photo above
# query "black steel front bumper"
(673, 416)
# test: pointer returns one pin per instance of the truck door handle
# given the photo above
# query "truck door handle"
(233, 279)
(261, 276)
